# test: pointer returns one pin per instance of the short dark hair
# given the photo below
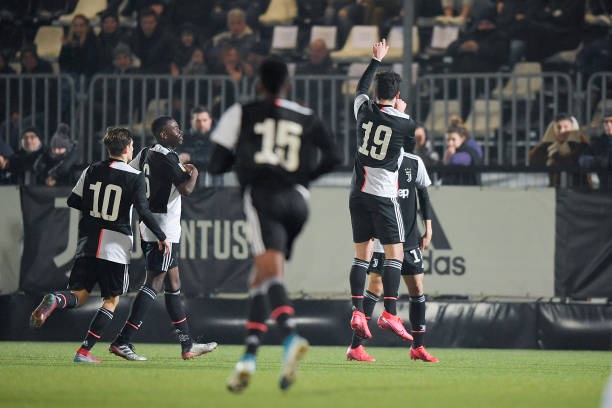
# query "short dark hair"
(159, 125)
(116, 139)
(387, 84)
(199, 109)
(273, 73)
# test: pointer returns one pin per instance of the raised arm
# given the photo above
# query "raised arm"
(379, 50)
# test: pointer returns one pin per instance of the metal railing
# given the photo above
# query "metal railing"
(507, 112)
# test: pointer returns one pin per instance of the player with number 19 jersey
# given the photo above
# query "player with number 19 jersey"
(107, 190)
(381, 130)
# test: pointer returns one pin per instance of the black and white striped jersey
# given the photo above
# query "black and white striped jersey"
(381, 131)
(163, 172)
(412, 175)
(105, 194)
(276, 142)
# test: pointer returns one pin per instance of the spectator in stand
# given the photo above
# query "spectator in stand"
(481, 49)
(316, 92)
(424, 147)
(196, 65)
(461, 151)
(513, 17)
(29, 110)
(79, 52)
(152, 44)
(183, 49)
(119, 91)
(561, 148)
(556, 26)
(319, 61)
(233, 65)
(110, 36)
(5, 152)
(197, 13)
(196, 145)
(222, 8)
(57, 166)
(238, 35)
(20, 166)
(598, 155)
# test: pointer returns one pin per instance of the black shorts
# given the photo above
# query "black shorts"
(157, 262)
(376, 217)
(275, 217)
(411, 265)
(112, 277)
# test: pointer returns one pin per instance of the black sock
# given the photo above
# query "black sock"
(66, 299)
(256, 324)
(417, 319)
(369, 302)
(282, 311)
(357, 280)
(99, 322)
(176, 311)
(140, 306)
(392, 275)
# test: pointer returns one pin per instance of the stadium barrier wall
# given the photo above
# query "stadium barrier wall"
(508, 325)
(491, 242)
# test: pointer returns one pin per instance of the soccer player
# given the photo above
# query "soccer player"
(166, 180)
(277, 148)
(104, 194)
(413, 183)
(381, 129)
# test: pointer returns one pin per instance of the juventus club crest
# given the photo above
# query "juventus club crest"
(408, 174)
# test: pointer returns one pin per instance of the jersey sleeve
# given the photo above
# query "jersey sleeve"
(135, 163)
(228, 129)
(142, 206)
(422, 178)
(78, 187)
(177, 172)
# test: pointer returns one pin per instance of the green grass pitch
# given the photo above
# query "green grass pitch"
(42, 374)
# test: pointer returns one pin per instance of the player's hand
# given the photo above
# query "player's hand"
(379, 50)
(425, 241)
(193, 171)
(164, 246)
(400, 105)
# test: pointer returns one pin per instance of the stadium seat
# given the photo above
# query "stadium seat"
(284, 39)
(155, 108)
(526, 85)
(399, 68)
(396, 43)
(279, 12)
(88, 8)
(442, 36)
(355, 70)
(48, 42)
(439, 116)
(358, 45)
(329, 34)
(484, 118)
